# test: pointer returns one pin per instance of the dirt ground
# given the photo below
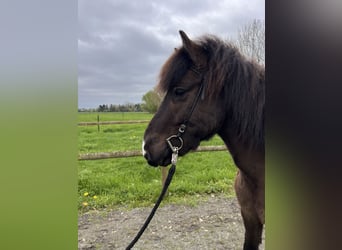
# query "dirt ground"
(212, 224)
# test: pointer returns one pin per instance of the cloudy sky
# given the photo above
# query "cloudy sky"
(122, 44)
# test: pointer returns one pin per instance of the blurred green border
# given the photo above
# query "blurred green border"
(38, 128)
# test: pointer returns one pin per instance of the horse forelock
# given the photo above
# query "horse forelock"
(173, 70)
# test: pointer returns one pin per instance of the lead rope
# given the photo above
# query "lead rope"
(174, 159)
(172, 170)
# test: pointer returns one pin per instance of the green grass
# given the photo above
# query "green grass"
(130, 182)
(117, 137)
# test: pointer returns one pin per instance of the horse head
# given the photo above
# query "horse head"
(186, 103)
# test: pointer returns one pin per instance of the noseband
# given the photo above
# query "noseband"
(174, 157)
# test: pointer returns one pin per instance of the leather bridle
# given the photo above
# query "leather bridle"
(183, 126)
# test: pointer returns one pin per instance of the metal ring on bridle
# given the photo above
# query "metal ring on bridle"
(181, 129)
(175, 148)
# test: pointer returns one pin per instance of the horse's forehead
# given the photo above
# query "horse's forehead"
(187, 79)
(173, 76)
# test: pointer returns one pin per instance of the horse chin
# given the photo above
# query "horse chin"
(166, 159)
(165, 162)
(162, 157)
(162, 163)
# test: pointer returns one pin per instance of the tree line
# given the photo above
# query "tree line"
(151, 101)
(128, 107)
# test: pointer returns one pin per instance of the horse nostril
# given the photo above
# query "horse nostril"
(148, 152)
(149, 159)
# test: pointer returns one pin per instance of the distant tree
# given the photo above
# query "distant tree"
(127, 107)
(151, 101)
(122, 108)
(102, 108)
(112, 108)
(130, 107)
(137, 107)
(251, 40)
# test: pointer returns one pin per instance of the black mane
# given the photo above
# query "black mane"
(228, 72)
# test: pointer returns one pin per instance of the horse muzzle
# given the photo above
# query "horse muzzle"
(156, 154)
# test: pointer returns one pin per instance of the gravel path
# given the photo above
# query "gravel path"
(212, 224)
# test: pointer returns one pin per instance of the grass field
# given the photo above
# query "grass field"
(130, 181)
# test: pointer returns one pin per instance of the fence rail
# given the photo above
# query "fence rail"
(112, 122)
(123, 154)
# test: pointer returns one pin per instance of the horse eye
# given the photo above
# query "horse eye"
(179, 91)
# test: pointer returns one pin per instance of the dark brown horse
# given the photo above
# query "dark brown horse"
(211, 88)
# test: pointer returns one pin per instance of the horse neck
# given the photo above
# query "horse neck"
(247, 157)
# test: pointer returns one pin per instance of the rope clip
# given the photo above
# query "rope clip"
(174, 149)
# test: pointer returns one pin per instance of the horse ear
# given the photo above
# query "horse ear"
(195, 51)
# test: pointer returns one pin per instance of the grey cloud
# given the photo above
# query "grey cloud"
(123, 44)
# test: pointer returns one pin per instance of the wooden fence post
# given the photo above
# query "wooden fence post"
(98, 123)
(164, 173)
